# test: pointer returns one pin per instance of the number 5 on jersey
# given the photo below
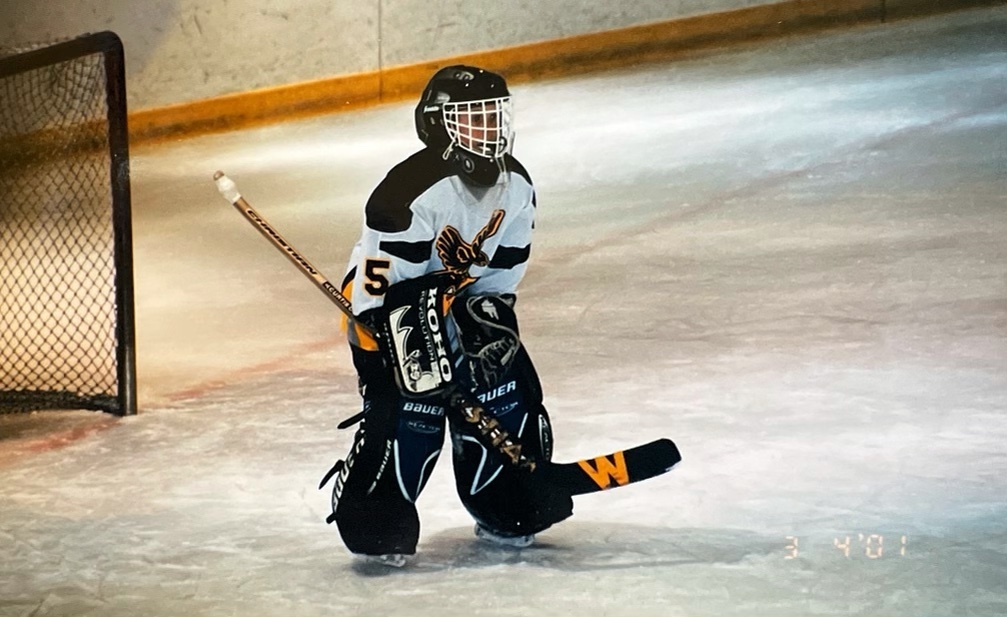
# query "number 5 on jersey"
(376, 283)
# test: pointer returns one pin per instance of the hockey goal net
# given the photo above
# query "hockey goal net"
(66, 291)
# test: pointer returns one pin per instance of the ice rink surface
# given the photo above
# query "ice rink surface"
(788, 257)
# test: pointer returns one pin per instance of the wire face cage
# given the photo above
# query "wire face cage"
(66, 275)
(482, 127)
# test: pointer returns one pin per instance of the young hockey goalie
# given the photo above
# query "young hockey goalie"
(445, 242)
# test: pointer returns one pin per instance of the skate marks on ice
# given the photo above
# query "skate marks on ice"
(651, 570)
(130, 563)
(576, 546)
(638, 567)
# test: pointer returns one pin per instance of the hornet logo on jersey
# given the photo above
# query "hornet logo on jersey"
(458, 256)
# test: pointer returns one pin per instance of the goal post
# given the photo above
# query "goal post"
(67, 334)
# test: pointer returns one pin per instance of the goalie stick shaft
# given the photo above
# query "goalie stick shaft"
(229, 190)
(577, 478)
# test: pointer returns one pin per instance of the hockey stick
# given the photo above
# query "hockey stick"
(230, 192)
(584, 476)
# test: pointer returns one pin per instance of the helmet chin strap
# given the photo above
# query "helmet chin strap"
(470, 168)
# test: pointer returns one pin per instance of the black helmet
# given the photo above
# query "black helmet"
(466, 112)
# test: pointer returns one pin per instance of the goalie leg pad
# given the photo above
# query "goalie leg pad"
(394, 451)
(502, 498)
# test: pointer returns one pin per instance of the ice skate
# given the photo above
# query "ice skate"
(493, 537)
(391, 560)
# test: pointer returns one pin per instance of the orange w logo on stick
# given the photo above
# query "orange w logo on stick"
(607, 473)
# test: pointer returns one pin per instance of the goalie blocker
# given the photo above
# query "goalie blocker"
(415, 335)
(417, 340)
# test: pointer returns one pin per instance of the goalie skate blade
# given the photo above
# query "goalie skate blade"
(495, 539)
(392, 560)
(616, 469)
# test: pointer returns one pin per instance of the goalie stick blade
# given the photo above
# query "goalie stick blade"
(616, 469)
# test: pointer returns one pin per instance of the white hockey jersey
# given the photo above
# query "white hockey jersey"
(423, 218)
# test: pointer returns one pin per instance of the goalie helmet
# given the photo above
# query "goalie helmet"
(466, 112)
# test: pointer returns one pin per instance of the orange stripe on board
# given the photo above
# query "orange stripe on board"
(554, 58)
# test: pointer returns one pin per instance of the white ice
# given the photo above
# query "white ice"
(788, 257)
